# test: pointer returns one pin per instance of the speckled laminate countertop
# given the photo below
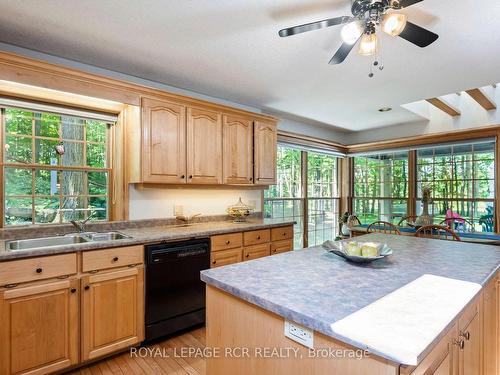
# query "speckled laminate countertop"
(150, 235)
(318, 289)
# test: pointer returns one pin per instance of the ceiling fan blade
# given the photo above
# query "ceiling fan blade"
(407, 3)
(418, 35)
(341, 53)
(314, 26)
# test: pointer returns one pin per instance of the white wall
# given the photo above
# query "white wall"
(436, 121)
(159, 203)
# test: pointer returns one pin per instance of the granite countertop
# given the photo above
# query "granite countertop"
(150, 235)
(321, 290)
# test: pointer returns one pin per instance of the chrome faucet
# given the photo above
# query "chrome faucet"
(80, 224)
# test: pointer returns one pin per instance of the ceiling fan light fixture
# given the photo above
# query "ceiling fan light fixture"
(351, 32)
(394, 23)
(368, 45)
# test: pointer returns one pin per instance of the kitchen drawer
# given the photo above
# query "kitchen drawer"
(112, 258)
(225, 257)
(226, 241)
(283, 233)
(19, 271)
(281, 247)
(256, 237)
(257, 251)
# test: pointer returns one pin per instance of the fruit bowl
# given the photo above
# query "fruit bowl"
(358, 252)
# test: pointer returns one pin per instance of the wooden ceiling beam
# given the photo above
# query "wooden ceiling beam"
(446, 108)
(480, 97)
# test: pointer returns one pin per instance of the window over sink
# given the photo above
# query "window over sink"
(56, 166)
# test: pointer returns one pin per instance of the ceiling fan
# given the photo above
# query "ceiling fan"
(367, 17)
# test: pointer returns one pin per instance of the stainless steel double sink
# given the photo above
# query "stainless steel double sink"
(69, 239)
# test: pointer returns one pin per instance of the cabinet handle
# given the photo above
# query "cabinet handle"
(250, 179)
(190, 177)
(284, 234)
(247, 256)
(460, 343)
(86, 287)
(73, 290)
(228, 242)
(214, 262)
(258, 237)
(39, 270)
(465, 335)
(115, 259)
(183, 177)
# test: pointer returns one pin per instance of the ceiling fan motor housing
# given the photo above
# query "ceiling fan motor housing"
(370, 9)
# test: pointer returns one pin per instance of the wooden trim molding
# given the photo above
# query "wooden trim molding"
(28, 71)
(427, 139)
(304, 140)
(445, 107)
(480, 97)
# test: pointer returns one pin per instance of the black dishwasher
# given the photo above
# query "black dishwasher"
(175, 295)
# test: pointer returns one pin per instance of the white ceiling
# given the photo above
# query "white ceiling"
(230, 49)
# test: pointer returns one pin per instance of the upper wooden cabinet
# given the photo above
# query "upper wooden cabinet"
(184, 143)
(238, 157)
(204, 146)
(265, 144)
(164, 142)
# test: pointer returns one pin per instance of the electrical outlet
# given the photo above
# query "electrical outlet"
(300, 334)
(178, 210)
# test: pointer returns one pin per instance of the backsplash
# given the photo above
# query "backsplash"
(151, 203)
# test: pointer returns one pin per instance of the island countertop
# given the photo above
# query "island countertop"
(322, 291)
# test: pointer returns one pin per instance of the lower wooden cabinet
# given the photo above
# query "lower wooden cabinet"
(469, 342)
(112, 311)
(225, 257)
(281, 247)
(491, 328)
(256, 251)
(236, 247)
(47, 326)
(39, 328)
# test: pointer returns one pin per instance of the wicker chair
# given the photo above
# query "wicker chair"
(407, 219)
(383, 227)
(438, 232)
(458, 225)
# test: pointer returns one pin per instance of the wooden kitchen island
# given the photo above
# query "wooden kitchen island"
(431, 308)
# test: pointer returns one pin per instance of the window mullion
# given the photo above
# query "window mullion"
(305, 194)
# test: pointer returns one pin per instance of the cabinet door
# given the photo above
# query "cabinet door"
(469, 353)
(265, 149)
(204, 147)
(238, 156)
(112, 311)
(491, 328)
(39, 328)
(225, 257)
(256, 251)
(164, 142)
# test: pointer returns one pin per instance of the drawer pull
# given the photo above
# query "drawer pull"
(190, 177)
(73, 290)
(228, 242)
(214, 262)
(86, 287)
(284, 234)
(183, 177)
(460, 343)
(465, 335)
(258, 237)
(250, 179)
(115, 259)
(247, 256)
(39, 270)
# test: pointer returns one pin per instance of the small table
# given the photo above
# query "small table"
(473, 237)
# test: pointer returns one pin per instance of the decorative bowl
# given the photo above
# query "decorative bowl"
(239, 212)
(340, 248)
